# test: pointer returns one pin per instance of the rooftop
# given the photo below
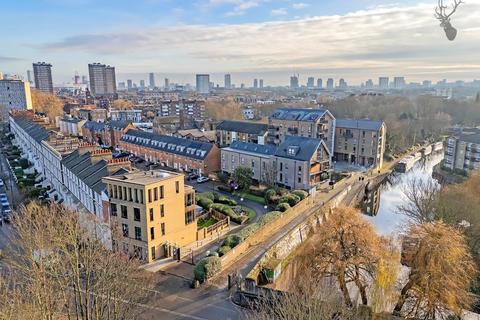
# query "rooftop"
(267, 150)
(243, 126)
(359, 124)
(303, 114)
(143, 177)
(298, 148)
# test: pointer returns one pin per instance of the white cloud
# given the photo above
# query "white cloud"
(279, 12)
(239, 7)
(401, 40)
(300, 5)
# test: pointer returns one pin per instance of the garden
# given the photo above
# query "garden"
(220, 203)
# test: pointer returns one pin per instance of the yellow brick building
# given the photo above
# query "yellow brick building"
(153, 212)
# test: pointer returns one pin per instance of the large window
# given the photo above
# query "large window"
(162, 226)
(152, 233)
(124, 212)
(113, 209)
(162, 210)
(153, 253)
(138, 233)
(149, 195)
(151, 214)
(189, 217)
(155, 194)
(125, 230)
(161, 192)
(136, 214)
(141, 196)
(177, 186)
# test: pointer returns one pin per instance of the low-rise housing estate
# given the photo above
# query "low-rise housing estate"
(462, 151)
(251, 132)
(126, 115)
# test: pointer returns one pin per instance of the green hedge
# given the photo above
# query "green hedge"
(248, 231)
(223, 250)
(226, 200)
(207, 268)
(291, 199)
(23, 163)
(269, 217)
(231, 241)
(208, 195)
(224, 189)
(257, 192)
(205, 203)
(226, 210)
(282, 207)
(300, 193)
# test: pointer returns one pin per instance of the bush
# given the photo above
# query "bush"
(223, 177)
(231, 241)
(257, 192)
(282, 207)
(300, 193)
(269, 217)
(23, 163)
(223, 250)
(248, 231)
(224, 189)
(207, 195)
(270, 194)
(226, 200)
(205, 203)
(207, 268)
(291, 199)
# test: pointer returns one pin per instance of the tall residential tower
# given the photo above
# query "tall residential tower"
(42, 73)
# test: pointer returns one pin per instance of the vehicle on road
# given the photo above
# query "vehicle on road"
(191, 176)
(203, 179)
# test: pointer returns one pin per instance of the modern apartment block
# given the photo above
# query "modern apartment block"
(15, 94)
(230, 131)
(126, 115)
(360, 142)
(462, 152)
(102, 80)
(154, 212)
(298, 163)
(177, 153)
(42, 74)
(309, 123)
(203, 83)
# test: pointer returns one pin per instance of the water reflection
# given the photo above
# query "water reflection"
(381, 204)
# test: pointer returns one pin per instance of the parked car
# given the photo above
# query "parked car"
(192, 176)
(203, 179)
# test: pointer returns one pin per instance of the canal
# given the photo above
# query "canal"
(381, 204)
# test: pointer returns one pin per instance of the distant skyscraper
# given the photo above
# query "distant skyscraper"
(84, 80)
(294, 82)
(342, 83)
(76, 78)
(102, 79)
(167, 84)
(319, 83)
(427, 83)
(383, 82)
(330, 83)
(261, 83)
(129, 84)
(29, 77)
(242, 86)
(311, 82)
(228, 81)
(369, 84)
(151, 77)
(142, 84)
(399, 82)
(42, 73)
(203, 83)
(255, 83)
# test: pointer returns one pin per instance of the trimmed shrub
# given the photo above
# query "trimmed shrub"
(207, 195)
(231, 241)
(291, 199)
(270, 194)
(257, 192)
(205, 203)
(199, 270)
(226, 200)
(207, 268)
(300, 193)
(248, 231)
(269, 217)
(223, 250)
(282, 207)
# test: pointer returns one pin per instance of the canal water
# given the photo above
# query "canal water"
(381, 205)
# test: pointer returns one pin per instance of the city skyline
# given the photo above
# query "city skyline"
(373, 40)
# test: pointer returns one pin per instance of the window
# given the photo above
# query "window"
(281, 166)
(120, 196)
(299, 179)
(162, 210)
(177, 186)
(155, 194)
(253, 164)
(125, 193)
(115, 194)
(281, 177)
(113, 209)
(346, 147)
(189, 217)
(141, 196)
(125, 247)
(125, 230)
(153, 253)
(299, 168)
(363, 134)
(124, 212)
(136, 195)
(152, 233)
(162, 226)
(161, 192)
(130, 194)
(138, 233)
(136, 214)
(151, 214)
(149, 195)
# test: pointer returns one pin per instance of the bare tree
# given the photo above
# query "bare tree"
(48, 104)
(441, 272)
(444, 17)
(421, 200)
(122, 104)
(61, 270)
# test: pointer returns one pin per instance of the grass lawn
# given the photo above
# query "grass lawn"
(250, 212)
(205, 223)
(251, 197)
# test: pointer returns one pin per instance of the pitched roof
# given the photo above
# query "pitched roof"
(94, 126)
(184, 147)
(359, 124)
(70, 120)
(36, 131)
(267, 150)
(303, 114)
(119, 125)
(243, 127)
(298, 148)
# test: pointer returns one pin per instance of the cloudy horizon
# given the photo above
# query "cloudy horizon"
(258, 39)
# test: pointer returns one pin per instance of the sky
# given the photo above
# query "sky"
(269, 39)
